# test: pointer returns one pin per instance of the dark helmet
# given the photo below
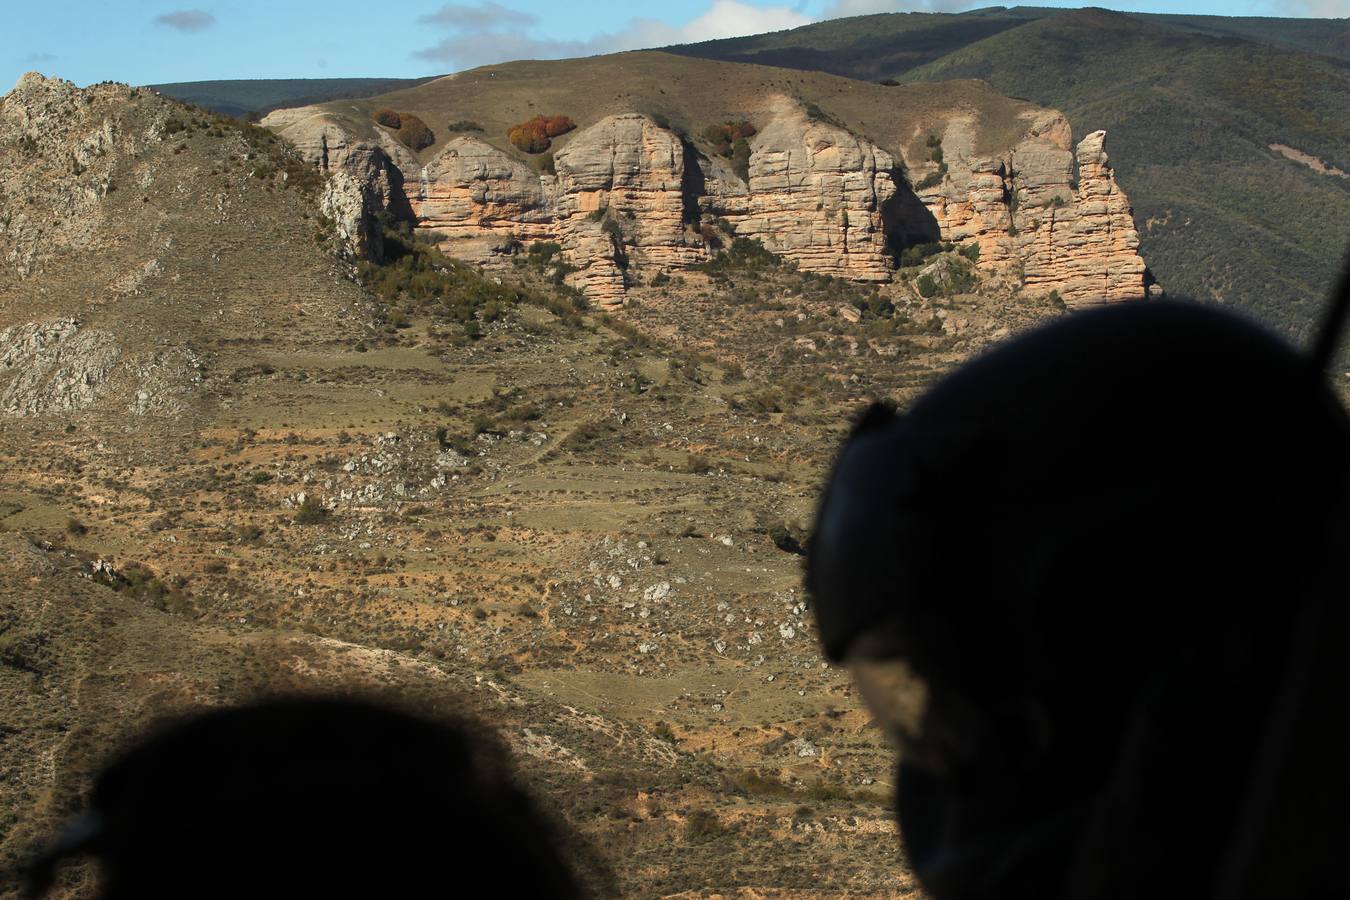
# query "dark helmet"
(1105, 557)
(314, 797)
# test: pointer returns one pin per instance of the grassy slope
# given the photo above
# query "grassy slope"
(1191, 116)
(689, 93)
(242, 96)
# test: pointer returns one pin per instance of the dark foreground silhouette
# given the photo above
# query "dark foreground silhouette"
(314, 798)
(1094, 584)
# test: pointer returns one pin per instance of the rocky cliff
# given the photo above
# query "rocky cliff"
(628, 197)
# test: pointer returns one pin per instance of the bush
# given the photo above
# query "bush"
(740, 159)
(410, 130)
(785, 540)
(916, 254)
(971, 252)
(311, 511)
(723, 137)
(464, 125)
(926, 285)
(702, 826)
(414, 133)
(744, 254)
(536, 135)
(933, 179)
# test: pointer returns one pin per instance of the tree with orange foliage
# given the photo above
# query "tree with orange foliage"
(536, 135)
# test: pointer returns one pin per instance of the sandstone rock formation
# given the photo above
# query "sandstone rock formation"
(1087, 250)
(816, 194)
(1025, 212)
(628, 196)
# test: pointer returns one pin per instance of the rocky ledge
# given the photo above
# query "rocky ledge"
(629, 198)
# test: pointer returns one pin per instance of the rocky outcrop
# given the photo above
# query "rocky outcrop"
(53, 366)
(49, 124)
(627, 196)
(816, 194)
(1087, 250)
(482, 202)
(1032, 220)
(373, 166)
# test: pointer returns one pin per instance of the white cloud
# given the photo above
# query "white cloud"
(186, 20)
(493, 33)
(728, 18)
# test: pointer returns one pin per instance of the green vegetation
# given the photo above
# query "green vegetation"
(744, 254)
(731, 139)
(703, 826)
(918, 254)
(311, 511)
(139, 583)
(464, 125)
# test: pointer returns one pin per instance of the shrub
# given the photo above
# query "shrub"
(723, 137)
(411, 131)
(76, 528)
(740, 159)
(702, 826)
(744, 254)
(916, 254)
(536, 135)
(698, 464)
(311, 511)
(926, 285)
(414, 133)
(464, 125)
(933, 179)
(785, 540)
(971, 252)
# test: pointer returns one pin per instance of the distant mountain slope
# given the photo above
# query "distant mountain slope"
(1329, 37)
(262, 95)
(1191, 117)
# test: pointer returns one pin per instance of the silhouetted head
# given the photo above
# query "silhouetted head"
(1086, 582)
(316, 798)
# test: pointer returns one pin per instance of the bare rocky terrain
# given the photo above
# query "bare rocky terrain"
(237, 461)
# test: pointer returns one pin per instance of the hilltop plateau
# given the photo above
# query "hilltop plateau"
(238, 460)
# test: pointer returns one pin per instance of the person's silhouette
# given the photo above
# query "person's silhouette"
(1093, 583)
(314, 798)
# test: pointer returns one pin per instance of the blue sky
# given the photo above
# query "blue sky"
(150, 41)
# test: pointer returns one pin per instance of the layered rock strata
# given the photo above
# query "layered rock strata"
(816, 194)
(628, 198)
